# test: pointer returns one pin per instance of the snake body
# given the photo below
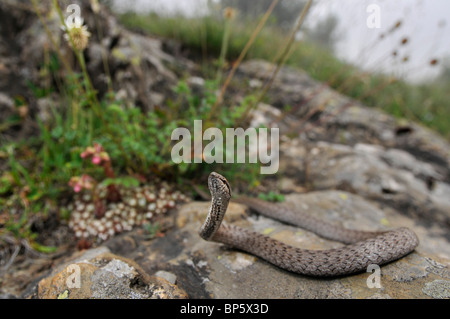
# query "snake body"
(363, 249)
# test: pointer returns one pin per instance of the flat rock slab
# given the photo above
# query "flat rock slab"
(211, 270)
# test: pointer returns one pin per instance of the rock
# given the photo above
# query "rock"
(6, 103)
(98, 274)
(439, 289)
(211, 270)
(170, 277)
(45, 106)
(264, 114)
(319, 113)
(8, 112)
(390, 176)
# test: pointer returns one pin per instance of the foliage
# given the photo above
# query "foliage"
(272, 197)
(152, 230)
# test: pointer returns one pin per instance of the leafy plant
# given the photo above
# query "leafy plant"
(272, 197)
(152, 230)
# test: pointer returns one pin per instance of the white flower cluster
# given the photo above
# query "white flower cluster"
(137, 207)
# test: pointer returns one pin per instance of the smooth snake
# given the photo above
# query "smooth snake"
(363, 248)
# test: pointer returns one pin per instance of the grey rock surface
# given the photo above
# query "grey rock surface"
(371, 171)
(211, 270)
(98, 274)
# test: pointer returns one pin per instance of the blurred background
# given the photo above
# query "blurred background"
(341, 26)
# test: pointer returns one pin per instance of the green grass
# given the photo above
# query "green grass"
(427, 103)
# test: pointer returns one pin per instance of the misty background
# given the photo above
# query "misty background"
(341, 26)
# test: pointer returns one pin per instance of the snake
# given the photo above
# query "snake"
(361, 249)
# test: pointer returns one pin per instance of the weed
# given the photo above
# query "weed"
(272, 197)
(152, 230)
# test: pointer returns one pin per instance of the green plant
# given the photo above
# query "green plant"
(229, 14)
(272, 197)
(152, 230)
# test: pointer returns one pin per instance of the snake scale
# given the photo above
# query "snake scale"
(362, 249)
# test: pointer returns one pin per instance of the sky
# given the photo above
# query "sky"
(424, 23)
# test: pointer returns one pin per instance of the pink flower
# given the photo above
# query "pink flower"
(74, 181)
(78, 183)
(87, 181)
(96, 159)
(87, 152)
(97, 152)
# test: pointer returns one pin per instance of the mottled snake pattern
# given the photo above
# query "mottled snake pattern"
(363, 248)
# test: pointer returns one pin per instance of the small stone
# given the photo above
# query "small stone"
(170, 277)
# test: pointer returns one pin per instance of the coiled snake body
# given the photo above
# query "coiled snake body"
(363, 249)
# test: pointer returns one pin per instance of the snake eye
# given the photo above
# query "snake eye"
(224, 180)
